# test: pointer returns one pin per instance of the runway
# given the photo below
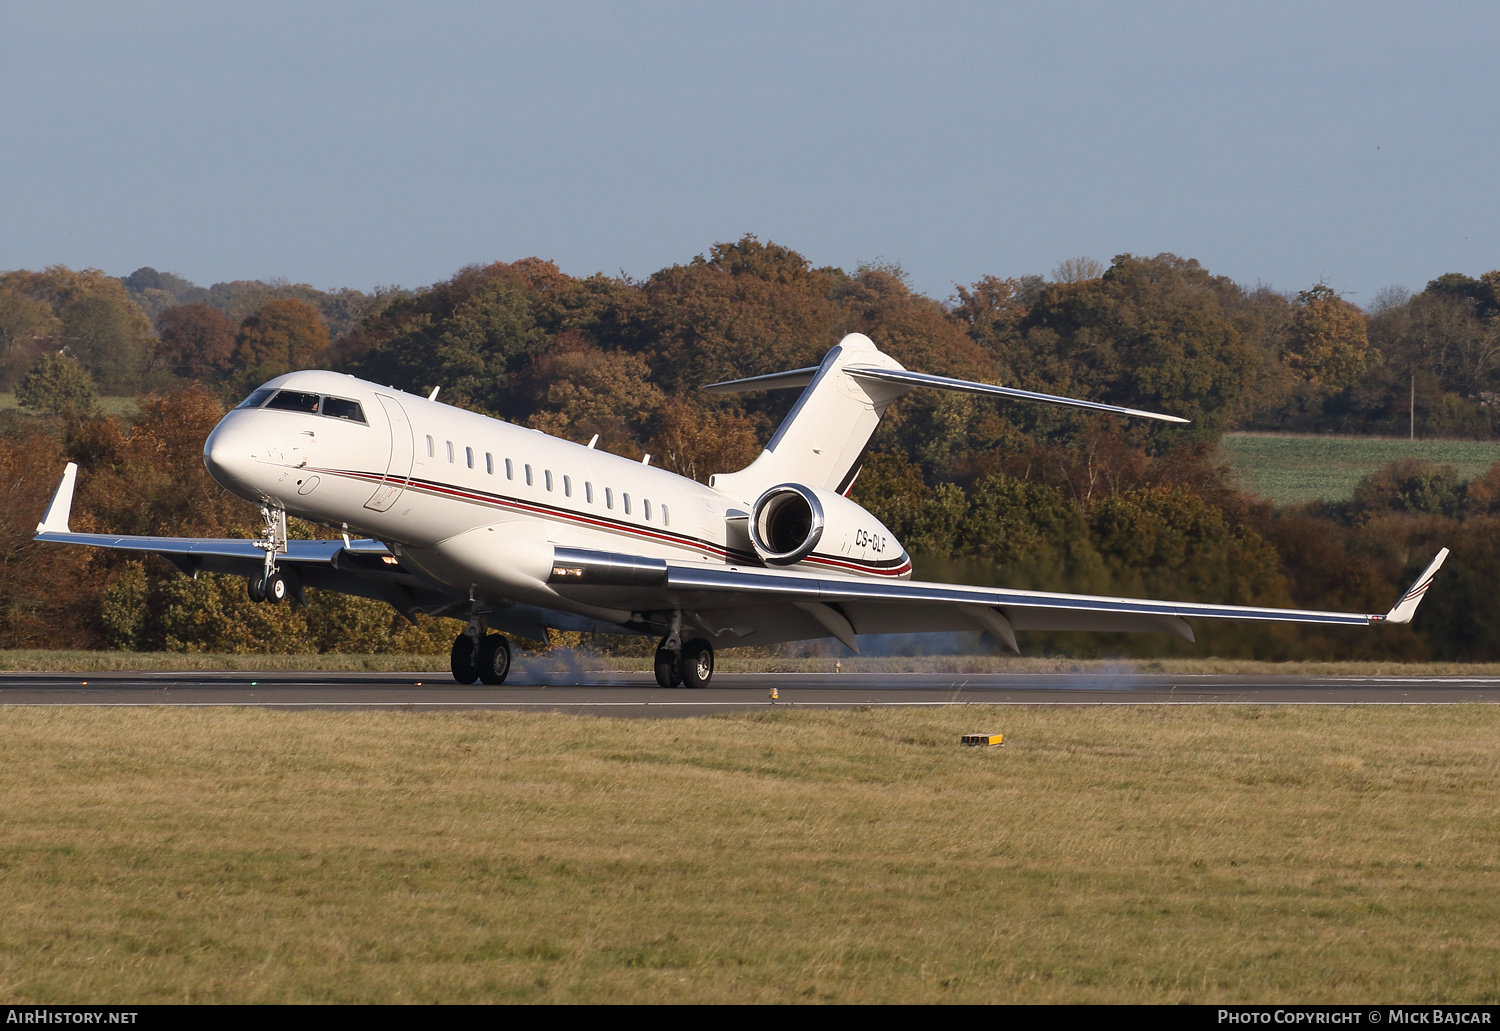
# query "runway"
(636, 694)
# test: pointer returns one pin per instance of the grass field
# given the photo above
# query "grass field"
(1155, 854)
(1294, 469)
(107, 405)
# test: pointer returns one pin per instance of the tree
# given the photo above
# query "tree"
(1482, 293)
(24, 323)
(155, 291)
(1151, 333)
(1327, 342)
(771, 262)
(1035, 536)
(697, 443)
(56, 384)
(582, 390)
(1077, 270)
(45, 590)
(472, 335)
(283, 336)
(1412, 486)
(197, 341)
(23, 320)
(107, 335)
(100, 325)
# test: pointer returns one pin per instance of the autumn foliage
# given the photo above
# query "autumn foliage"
(1026, 495)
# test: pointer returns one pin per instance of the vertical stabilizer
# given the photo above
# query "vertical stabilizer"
(821, 441)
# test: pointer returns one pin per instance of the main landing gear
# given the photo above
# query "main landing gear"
(485, 658)
(691, 666)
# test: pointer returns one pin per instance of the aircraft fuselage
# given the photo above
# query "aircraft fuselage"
(475, 503)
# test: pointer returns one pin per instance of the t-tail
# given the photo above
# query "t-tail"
(821, 441)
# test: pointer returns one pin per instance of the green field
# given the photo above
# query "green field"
(1294, 469)
(108, 405)
(1114, 854)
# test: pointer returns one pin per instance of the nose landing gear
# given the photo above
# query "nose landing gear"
(270, 585)
(271, 588)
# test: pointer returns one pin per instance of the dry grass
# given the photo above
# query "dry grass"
(1117, 854)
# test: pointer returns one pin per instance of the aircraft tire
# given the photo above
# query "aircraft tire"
(256, 588)
(494, 659)
(462, 660)
(668, 668)
(697, 663)
(276, 589)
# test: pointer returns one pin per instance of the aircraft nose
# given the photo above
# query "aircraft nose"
(229, 455)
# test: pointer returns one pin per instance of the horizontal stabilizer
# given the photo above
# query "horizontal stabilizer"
(963, 386)
(773, 381)
(61, 506)
(821, 440)
(1407, 606)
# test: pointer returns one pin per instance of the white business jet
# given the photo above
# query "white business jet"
(517, 531)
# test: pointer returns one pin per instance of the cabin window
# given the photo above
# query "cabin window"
(510, 470)
(528, 474)
(258, 398)
(666, 518)
(489, 463)
(430, 451)
(293, 401)
(547, 475)
(646, 508)
(450, 450)
(469, 456)
(625, 502)
(609, 497)
(588, 492)
(338, 408)
(567, 486)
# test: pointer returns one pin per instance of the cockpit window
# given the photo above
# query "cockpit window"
(292, 401)
(338, 408)
(308, 404)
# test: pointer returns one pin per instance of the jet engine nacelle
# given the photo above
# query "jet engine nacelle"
(792, 523)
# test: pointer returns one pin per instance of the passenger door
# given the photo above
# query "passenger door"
(398, 471)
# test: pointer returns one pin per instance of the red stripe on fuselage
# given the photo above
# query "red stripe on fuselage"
(892, 567)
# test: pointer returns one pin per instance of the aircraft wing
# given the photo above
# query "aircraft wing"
(360, 567)
(759, 605)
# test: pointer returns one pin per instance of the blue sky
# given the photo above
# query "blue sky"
(364, 144)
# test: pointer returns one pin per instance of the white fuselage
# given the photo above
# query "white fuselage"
(478, 504)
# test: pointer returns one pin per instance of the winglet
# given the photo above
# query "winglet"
(1407, 606)
(61, 506)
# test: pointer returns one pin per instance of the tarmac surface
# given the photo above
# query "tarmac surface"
(636, 694)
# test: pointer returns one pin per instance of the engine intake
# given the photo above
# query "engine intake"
(786, 524)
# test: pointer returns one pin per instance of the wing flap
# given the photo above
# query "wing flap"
(911, 606)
